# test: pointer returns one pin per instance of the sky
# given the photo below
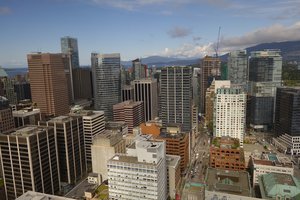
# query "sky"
(141, 28)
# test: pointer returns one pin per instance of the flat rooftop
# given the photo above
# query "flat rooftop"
(231, 182)
(128, 159)
(29, 195)
(26, 131)
(25, 112)
(172, 160)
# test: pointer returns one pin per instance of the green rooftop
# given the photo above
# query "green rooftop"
(3, 72)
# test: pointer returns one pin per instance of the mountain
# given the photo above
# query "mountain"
(290, 50)
(160, 61)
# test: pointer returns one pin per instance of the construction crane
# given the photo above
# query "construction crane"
(218, 42)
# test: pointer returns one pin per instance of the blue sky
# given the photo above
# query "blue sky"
(140, 28)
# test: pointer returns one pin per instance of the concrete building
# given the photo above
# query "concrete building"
(6, 118)
(139, 174)
(210, 69)
(104, 147)
(93, 125)
(267, 163)
(106, 82)
(70, 147)
(265, 69)
(117, 126)
(139, 69)
(177, 143)
(127, 93)
(146, 90)
(238, 67)
(210, 99)
(132, 113)
(48, 83)
(27, 116)
(279, 186)
(176, 96)
(230, 113)
(226, 154)
(174, 175)
(82, 83)
(287, 120)
(226, 183)
(30, 195)
(29, 161)
(69, 46)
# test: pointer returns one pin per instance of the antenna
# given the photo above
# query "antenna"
(218, 42)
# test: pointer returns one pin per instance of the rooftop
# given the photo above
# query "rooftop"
(29, 195)
(231, 182)
(26, 131)
(128, 159)
(272, 159)
(226, 142)
(26, 112)
(172, 160)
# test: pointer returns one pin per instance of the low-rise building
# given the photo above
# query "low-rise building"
(225, 153)
(227, 183)
(30, 195)
(279, 186)
(267, 163)
(104, 147)
(117, 126)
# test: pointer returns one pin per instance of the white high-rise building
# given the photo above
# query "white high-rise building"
(93, 125)
(140, 174)
(230, 113)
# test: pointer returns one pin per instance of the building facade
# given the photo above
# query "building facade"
(27, 116)
(6, 117)
(127, 93)
(265, 69)
(70, 147)
(132, 113)
(69, 46)
(48, 83)
(146, 90)
(210, 69)
(238, 67)
(29, 161)
(230, 113)
(140, 174)
(82, 83)
(106, 82)
(176, 96)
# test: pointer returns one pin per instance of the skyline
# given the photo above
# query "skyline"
(141, 28)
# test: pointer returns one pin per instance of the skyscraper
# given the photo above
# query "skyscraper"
(138, 69)
(265, 69)
(287, 118)
(69, 46)
(106, 79)
(7, 87)
(70, 147)
(48, 83)
(29, 161)
(6, 117)
(146, 90)
(82, 83)
(127, 92)
(176, 96)
(230, 113)
(210, 69)
(238, 67)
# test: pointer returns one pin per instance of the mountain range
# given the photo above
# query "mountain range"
(290, 51)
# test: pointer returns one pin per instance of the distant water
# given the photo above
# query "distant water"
(11, 72)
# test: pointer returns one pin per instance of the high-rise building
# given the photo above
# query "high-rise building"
(27, 116)
(132, 113)
(176, 96)
(29, 161)
(139, 174)
(6, 117)
(22, 90)
(210, 69)
(82, 83)
(104, 147)
(48, 83)
(265, 68)
(7, 87)
(238, 67)
(146, 90)
(69, 46)
(127, 93)
(230, 113)
(106, 79)
(139, 69)
(93, 125)
(287, 119)
(70, 147)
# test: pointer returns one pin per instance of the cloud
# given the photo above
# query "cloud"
(4, 10)
(188, 51)
(177, 32)
(273, 33)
